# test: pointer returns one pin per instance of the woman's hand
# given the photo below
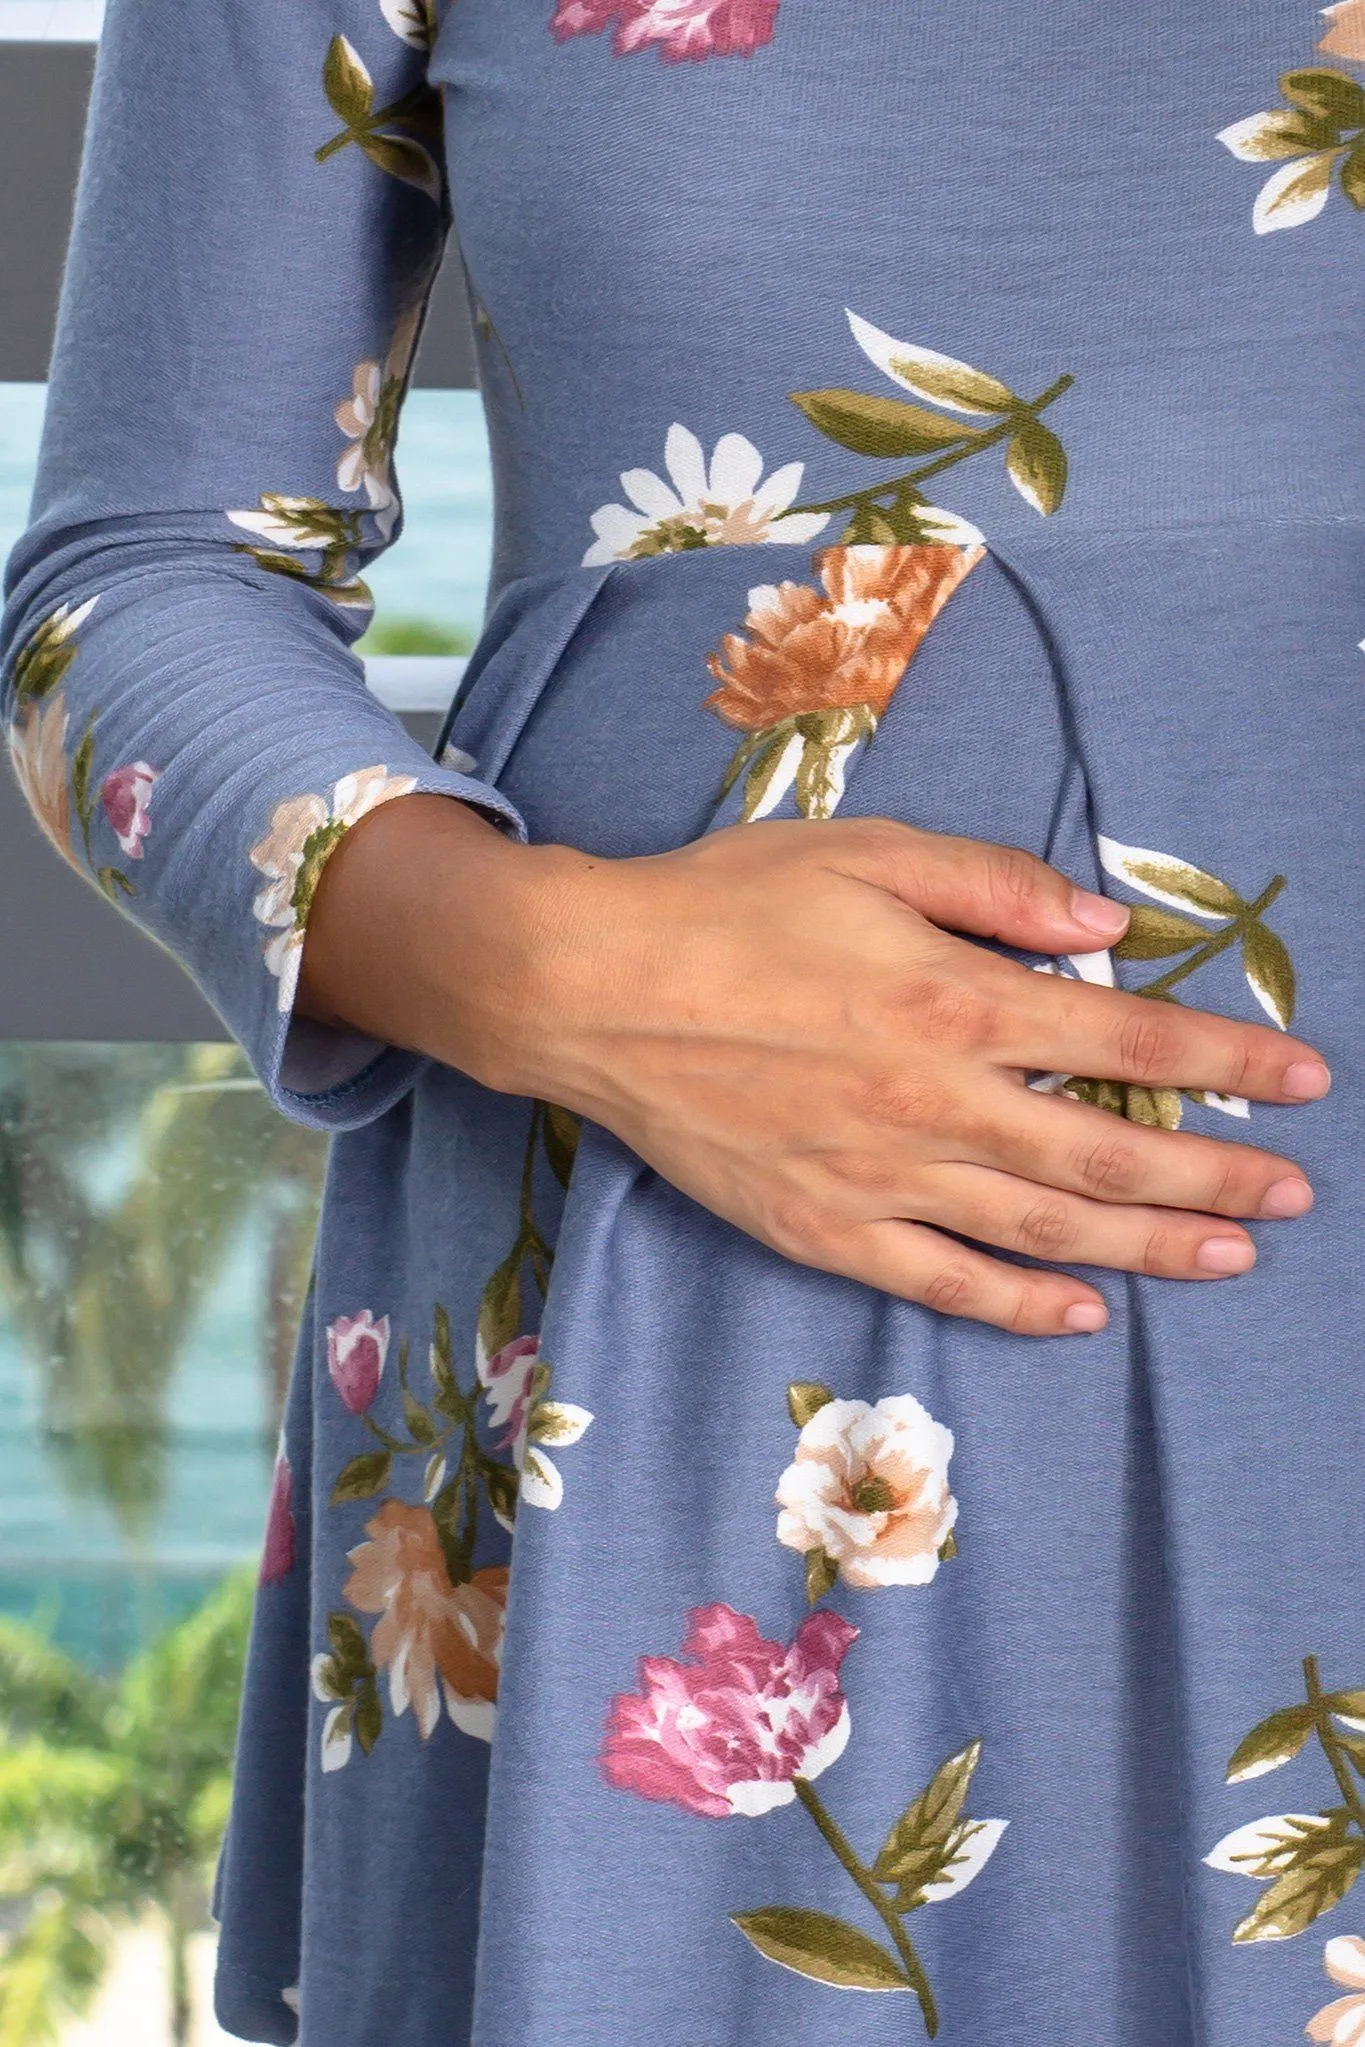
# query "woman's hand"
(780, 1019)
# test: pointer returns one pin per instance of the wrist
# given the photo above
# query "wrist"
(432, 929)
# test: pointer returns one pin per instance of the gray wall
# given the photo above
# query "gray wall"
(43, 92)
(70, 967)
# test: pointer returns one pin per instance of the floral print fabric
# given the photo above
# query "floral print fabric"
(656, 1641)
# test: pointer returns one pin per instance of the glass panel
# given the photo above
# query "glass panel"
(156, 1220)
(429, 586)
(55, 21)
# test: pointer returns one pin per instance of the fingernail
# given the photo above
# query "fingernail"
(1098, 914)
(1287, 1197)
(1083, 1318)
(1307, 1080)
(1225, 1254)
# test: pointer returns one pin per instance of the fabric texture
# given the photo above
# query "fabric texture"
(944, 414)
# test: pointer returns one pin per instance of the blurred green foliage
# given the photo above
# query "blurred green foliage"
(414, 636)
(125, 1182)
(113, 1797)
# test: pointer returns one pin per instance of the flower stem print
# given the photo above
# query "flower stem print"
(745, 1725)
(1171, 932)
(407, 155)
(439, 1630)
(85, 799)
(866, 1498)
(897, 510)
(356, 1350)
(514, 1375)
(1316, 137)
(1308, 1860)
(811, 673)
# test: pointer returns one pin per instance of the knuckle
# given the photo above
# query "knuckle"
(902, 1100)
(1108, 1166)
(1025, 1315)
(1011, 880)
(1231, 1190)
(796, 1226)
(1241, 1068)
(1160, 1253)
(1145, 1047)
(948, 1013)
(862, 1171)
(949, 1291)
(1047, 1229)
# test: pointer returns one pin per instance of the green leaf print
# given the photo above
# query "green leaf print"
(1273, 1741)
(1326, 94)
(560, 1132)
(805, 1397)
(816, 1945)
(1315, 136)
(363, 1477)
(1157, 934)
(881, 427)
(1322, 1871)
(918, 1848)
(1270, 972)
(347, 83)
(1036, 461)
(349, 89)
(896, 511)
(1307, 1860)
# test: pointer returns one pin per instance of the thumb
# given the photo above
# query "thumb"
(973, 886)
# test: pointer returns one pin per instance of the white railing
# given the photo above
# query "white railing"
(50, 21)
(414, 682)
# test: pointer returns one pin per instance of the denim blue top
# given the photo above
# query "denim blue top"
(792, 316)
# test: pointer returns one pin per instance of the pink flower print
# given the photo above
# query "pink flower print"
(357, 1346)
(730, 1731)
(277, 1554)
(681, 29)
(507, 1378)
(125, 797)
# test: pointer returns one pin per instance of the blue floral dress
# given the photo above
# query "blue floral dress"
(943, 412)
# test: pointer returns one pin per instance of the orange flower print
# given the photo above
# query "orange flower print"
(37, 743)
(1346, 36)
(814, 669)
(433, 1637)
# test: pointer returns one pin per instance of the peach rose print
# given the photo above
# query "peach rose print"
(37, 744)
(813, 670)
(866, 1498)
(1342, 2023)
(435, 1639)
(1346, 36)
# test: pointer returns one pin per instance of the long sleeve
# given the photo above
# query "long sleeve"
(260, 216)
